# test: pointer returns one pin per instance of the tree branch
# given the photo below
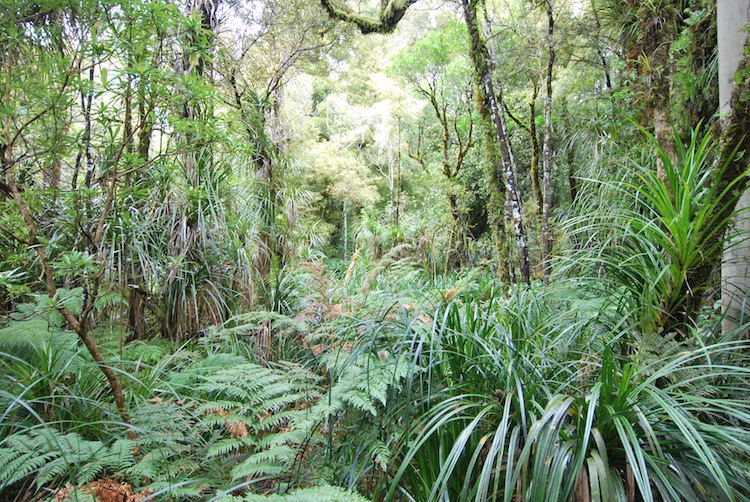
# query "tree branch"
(515, 119)
(391, 12)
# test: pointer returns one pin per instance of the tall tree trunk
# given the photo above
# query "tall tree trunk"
(547, 161)
(182, 298)
(496, 136)
(654, 26)
(450, 168)
(534, 138)
(599, 53)
(732, 17)
(136, 286)
(530, 129)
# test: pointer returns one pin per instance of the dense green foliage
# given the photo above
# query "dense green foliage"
(248, 254)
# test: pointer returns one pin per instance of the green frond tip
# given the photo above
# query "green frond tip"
(323, 493)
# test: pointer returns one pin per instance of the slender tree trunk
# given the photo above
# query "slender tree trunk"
(87, 99)
(572, 177)
(547, 161)
(81, 324)
(599, 53)
(450, 169)
(132, 279)
(496, 135)
(138, 293)
(534, 138)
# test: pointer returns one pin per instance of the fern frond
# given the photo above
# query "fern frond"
(380, 453)
(365, 380)
(324, 493)
(23, 465)
(47, 455)
(248, 469)
(54, 468)
(291, 437)
(229, 445)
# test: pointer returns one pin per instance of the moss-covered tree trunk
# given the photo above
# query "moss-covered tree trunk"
(734, 157)
(547, 152)
(500, 159)
(649, 30)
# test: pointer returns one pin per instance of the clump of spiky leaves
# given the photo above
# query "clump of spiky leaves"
(654, 238)
(556, 415)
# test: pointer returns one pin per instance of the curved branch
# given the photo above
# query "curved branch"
(391, 12)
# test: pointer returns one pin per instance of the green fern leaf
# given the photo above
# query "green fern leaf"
(228, 445)
(323, 493)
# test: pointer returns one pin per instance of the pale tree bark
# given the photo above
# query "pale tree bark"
(491, 109)
(733, 16)
(534, 138)
(87, 101)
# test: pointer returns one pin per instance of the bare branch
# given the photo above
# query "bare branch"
(515, 119)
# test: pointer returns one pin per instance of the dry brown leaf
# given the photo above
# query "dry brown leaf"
(450, 293)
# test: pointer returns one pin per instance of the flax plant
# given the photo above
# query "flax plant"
(556, 414)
